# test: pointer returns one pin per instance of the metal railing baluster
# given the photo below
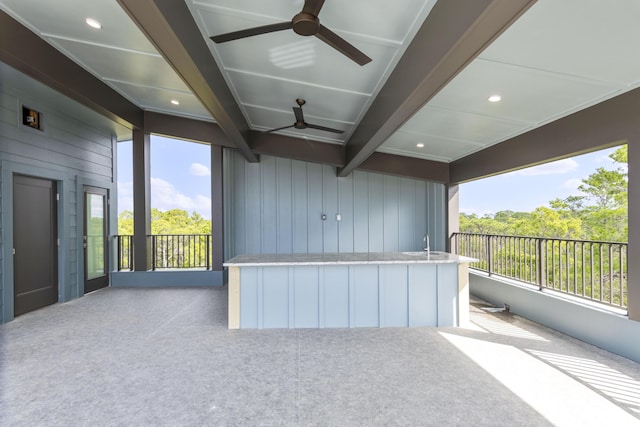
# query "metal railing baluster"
(169, 251)
(575, 267)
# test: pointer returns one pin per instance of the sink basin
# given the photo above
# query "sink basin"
(423, 253)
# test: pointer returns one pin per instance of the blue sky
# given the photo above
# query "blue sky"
(527, 189)
(180, 178)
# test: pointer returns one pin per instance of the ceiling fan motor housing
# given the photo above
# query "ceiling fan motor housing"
(305, 24)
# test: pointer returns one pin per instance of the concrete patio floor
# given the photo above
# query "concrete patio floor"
(123, 356)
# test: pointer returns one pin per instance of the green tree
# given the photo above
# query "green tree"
(603, 208)
(174, 221)
(621, 155)
(598, 213)
(178, 221)
(607, 188)
(125, 223)
(485, 225)
(546, 222)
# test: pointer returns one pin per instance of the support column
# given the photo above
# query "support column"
(217, 208)
(453, 213)
(633, 268)
(141, 200)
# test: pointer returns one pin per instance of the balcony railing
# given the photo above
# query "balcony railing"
(587, 269)
(168, 251)
(124, 246)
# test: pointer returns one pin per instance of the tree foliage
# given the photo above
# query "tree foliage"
(174, 221)
(599, 212)
(180, 240)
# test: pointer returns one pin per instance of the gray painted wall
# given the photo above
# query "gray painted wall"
(75, 148)
(275, 206)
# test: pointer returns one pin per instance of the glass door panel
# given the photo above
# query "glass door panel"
(95, 238)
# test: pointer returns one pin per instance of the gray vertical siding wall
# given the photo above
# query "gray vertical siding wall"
(75, 148)
(275, 206)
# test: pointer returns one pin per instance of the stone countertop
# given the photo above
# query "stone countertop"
(265, 260)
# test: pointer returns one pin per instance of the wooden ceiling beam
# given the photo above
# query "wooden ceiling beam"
(185, 128)
(391, 164)
(297, 148)
(333, 154)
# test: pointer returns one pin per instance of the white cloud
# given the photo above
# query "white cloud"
(572, 184)
(125, 196)
(165, 196)
(198, 169)
(603, 158)
(552, 168)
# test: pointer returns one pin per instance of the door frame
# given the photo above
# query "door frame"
(7, 170)
(102, 281)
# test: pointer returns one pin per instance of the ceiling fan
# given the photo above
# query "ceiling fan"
(305, 23)
(301, 124)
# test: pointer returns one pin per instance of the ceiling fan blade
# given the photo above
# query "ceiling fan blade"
(298, 113)
(235, 35)
(310, 126)
(276, 129)
(312, 7)
(340, 44)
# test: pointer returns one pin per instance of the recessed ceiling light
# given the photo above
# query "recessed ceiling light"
(93, 23)
(175, 102)
(420, 145)
(495, 98)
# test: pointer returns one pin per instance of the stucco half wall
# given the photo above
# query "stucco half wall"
(600, 327)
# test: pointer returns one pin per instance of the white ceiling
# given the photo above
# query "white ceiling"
(558, 58)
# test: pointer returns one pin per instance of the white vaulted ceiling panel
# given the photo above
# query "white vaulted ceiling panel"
(586, 38)
(521, 89)
(470, 130)
(124, 65)
(66, 19)
(435, 148)
(308, 60)
(159, 99)
(328, 103)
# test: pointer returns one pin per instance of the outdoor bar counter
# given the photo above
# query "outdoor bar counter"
(346, 290)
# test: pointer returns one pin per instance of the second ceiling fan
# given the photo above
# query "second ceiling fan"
(301, 124)
(305, 23)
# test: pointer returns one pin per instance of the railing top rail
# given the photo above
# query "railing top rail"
(151, 235)
(176, 235)
(539, 238)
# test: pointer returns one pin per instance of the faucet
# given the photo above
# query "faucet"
(425, 239)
